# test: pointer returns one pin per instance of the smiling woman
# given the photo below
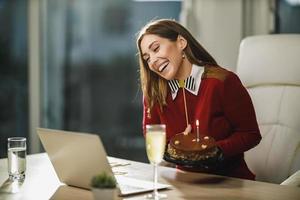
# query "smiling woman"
(164, 56)
(182, 83)
(166, 41)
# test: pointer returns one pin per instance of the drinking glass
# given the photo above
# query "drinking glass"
(155, 146)
(16, 154)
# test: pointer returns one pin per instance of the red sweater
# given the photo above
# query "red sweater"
(225, 112)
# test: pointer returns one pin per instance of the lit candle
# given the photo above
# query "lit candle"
(197, 126)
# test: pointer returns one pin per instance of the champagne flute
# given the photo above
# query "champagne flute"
(155, 146)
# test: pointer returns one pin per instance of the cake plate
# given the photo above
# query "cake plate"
(211, 163)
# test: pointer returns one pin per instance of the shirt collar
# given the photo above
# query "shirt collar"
(191, 84)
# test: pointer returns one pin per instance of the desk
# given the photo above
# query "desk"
(42, 183)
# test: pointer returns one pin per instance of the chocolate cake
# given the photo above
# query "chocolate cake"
(185, 147)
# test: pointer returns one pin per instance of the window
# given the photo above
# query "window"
(13, 72)
(91, 70)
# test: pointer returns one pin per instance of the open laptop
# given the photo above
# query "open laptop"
(77, 157)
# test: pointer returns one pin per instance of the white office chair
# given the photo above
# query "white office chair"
(269, 67)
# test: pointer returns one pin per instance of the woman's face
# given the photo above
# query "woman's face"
(163, 56)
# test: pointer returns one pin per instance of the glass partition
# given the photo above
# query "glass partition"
(13, 71)
(90, 69)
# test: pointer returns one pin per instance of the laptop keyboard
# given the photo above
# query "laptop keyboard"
(124, 187)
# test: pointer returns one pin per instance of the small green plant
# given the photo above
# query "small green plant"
(103, 180)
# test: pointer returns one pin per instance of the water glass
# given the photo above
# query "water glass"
(16, 155)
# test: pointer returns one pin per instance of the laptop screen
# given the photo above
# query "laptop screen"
(76, 157)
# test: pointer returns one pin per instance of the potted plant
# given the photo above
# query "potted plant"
(104, 186)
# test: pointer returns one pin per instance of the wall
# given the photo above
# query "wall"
(221, 25)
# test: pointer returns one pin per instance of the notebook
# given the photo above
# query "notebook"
(77, 157)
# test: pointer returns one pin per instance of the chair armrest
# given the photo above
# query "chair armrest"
(293, 180)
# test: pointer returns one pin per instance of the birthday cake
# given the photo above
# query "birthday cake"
(186, 147)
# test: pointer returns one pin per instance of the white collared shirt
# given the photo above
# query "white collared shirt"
(191, 84)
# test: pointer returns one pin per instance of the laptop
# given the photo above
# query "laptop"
(77, 157)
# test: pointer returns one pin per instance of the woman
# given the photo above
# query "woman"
(169, 54)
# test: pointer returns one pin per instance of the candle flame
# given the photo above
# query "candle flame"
(197, 122)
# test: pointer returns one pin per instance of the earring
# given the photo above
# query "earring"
(183, 54)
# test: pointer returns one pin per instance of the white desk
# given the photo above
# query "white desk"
(42, 183)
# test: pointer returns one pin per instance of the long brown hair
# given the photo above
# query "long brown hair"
(153, 86)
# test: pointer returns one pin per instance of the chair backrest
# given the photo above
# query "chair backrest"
(269, 67)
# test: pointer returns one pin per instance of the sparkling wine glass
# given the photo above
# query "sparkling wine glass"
(155, 146)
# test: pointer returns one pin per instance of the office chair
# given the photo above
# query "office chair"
(269, 67)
